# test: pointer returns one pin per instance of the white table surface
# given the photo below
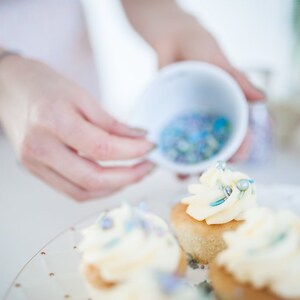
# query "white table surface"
(31, 213)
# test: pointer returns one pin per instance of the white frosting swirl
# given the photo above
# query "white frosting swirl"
(134, 240)
(148, 286)
(217, 198)
(265, 251)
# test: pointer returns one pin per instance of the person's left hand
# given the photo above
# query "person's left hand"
(191, 41)
(180, 37)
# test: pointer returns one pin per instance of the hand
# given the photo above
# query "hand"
(179, 37)
(193, 42)
(59, 132)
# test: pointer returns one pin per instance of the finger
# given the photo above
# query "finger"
(62, 184)
(97, 144)
(182, 177)
(167, 54)
(87, 174)
(93, 112)
(117, 177)
(252, 93)
(243, 152)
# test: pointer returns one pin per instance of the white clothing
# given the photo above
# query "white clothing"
(52, 31)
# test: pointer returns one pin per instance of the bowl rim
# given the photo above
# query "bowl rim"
(240, 132)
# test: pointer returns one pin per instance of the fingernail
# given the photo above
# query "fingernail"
(148, 167)
(151, 147)
(260, 94)
(182, 177)
(137, 132)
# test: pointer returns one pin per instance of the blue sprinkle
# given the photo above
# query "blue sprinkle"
(136, 223)
(106, 223)
(251, 181)
(143, 207)
(193, 137)
(220, 124)
(227, 190)
(241, 195)
(169, 283)
(217, 202)
(160, 231)
(145, 225)
(111, 243)
(243, 185)
(129, 226)
(280, 237)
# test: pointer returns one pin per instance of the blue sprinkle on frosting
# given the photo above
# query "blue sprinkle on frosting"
(106, 223)
(217, 202)
(169, 283)
(112, 243)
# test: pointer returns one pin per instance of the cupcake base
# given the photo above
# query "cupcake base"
(203, 242)
(226, 287)
(93, 277)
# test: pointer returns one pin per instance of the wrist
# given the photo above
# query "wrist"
(156, 20)
(9, 65)
(171, 42)
(7, 60)
(170, 29)
(4, 54)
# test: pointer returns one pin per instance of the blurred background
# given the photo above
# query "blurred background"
(262, 38)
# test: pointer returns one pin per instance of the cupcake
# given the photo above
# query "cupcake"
(262, 260)
(150, 286)
(216, 204)
(124, 242)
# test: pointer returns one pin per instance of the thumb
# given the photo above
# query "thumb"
(252, 93)
(166, 54)
(94, 113)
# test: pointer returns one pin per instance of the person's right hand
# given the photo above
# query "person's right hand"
(59, 132)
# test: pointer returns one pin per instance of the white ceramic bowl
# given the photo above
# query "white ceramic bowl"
(191, 86)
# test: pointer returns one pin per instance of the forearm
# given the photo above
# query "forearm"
(9, 66)
(5, 57)
(156, 19)
(2, 83)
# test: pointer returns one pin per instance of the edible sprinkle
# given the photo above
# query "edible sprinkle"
(192, 262)
(279, 238)
(227, 190)
(193, 137)
(243, 184)
(217, 202)
(221, 165)
(204, 287)
(143, 207)
(169, 283)
(106, 223)
(111, 243)
(241, 195)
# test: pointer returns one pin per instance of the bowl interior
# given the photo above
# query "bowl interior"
(187, 87)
